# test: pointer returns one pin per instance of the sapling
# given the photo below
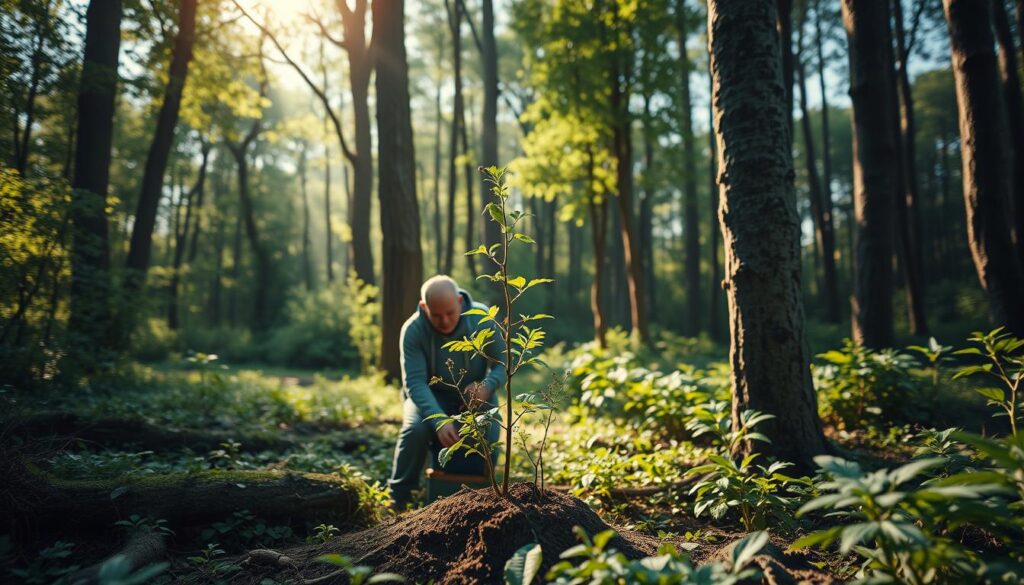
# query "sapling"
(1006, 364)
(522, 342)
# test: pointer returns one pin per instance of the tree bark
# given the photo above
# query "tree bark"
(599, 222)
(984, 148)
(761, 229)
(137, 262)
(691, 235)
(784, 24)
(823, 232)
(402, 257)
(907, 206)
(489, 126)
(714, 290)
(89, 324)
(875, 167)
(360, 70)
(1015, 118)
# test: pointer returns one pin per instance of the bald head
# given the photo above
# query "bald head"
(441, 302)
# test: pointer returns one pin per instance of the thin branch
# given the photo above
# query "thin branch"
(340, 43)
(298, 68)
(472, 26)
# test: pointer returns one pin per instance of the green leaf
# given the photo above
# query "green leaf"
(745, 549)
(536, 281)
(517, 282)
(523, 238)
(524, 565)
(855, 534)
(991, 393)
(496, 214)
(480, 250)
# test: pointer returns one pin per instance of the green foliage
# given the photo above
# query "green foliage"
(524, 565)
(1005, 364)
(598, 565)
(244, 530)
(860, 388)
(904, 524)
(936, 354)
(359, 574)
(323, 533)
(53, 565)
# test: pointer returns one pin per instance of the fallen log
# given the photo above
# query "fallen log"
(112, 432)
(187, 499)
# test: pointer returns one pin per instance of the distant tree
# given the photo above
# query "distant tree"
(137, 262)
(1009, 72)
(402, 257)
(985, 148)
(89, 324)
(691, 221)
(193, 202)
(770, 365)
(875, 169)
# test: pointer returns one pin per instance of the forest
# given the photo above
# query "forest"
(520, 291)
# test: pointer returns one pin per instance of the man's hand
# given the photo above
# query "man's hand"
(448, 435)
(477, 393)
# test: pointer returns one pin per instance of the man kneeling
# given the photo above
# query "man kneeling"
(438, 320)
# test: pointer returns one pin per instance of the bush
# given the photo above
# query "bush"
(153, 341)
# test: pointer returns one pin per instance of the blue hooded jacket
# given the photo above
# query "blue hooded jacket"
(423, 357)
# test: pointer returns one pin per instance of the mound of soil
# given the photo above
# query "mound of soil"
(467, 538)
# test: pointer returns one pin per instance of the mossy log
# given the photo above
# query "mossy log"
(120, 431)
(189, 499)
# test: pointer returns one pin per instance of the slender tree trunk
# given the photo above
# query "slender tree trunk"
(471, 210)
(823, 233)
(438, 239)
(826, 143)
(214, 304)
(761, 228)
(21, 151)
(402, 257)
(984, 148)
(360, 70)
(714, 300)
(599, 222)
(1015, 118)
(875, 167)
(907, 211)
(89, 324)
(193, 201)
(261, 288)
(489, 126)
(691, 229)
(307, 261)
(328, 227)
(646, 205)
(454, 28)
(137, 263)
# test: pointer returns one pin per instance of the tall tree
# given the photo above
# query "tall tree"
(826, 141)
(691, 229)
(984, 147)
(90, 252)
(875, 167)
(823, 231)
(193, 202)
(489, 125)
(907, 206)
(1009, 72)
(714, 300)
(770, 366)
(402, 257)
(784, 24)
(137, 262)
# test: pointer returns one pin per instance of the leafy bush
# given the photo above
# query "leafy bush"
(316, 333)
(859, 388)
(1005, 364)
(153, 340)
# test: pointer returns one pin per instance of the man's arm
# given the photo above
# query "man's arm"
(414, 374)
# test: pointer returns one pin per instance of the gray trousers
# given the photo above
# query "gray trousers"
(412, 449)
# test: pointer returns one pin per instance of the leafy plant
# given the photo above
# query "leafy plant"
(522, 342)
(756, 492)
(902, 522)
(52, 564)
(1005, 364)
(936, 354)
(598, 565)
(135, 523)
(358, 574)
(324, 533)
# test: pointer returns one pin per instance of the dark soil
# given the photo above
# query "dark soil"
(466, 538)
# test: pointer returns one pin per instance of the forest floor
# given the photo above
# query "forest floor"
(213, 463)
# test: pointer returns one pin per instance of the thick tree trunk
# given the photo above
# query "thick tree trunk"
(985, 148)
(823, 233)
(402, 257)
(89, 324)
(1015, 117)
(907, 206)
(875, 167)
(691, 229)
(137, 262)
(761, 228)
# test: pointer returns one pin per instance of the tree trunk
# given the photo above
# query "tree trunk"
(1015, 118)
(137, 263)
(454, 26)
(784, 24)
(472, 239)
(875, 167)
(402, 257)
(307, 262)
(194, 200)
(691, 229)
(261, 288)
(328, 227)
(21, 150)
(623, 145)
(826, 143)
(236, 271)
(714, 329)
(646, 205)
(549, 268)
(907, 207)
(599, 226)
(437, 236)
(489, 127)
(984, 147)
(822, 223)
(361, 68)
(761, 228)
(89, 324)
